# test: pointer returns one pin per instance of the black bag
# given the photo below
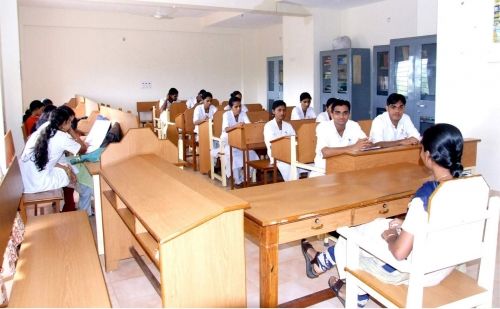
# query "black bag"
(114, 135)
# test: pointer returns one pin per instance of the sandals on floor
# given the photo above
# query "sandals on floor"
(336, 284)
(310, 272)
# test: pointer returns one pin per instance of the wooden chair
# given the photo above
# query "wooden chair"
(258, 116)
(215, 102)
(264, 166)
(184, 123)
(146, 108)
(254, 107)
(366, 126)
(10, 150)
(215, 131)
(224, 104)
(47, 198)
(461, 227)
(288, 115)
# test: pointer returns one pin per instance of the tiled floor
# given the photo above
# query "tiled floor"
(128, 286)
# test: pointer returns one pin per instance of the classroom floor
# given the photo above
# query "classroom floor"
(129, 287)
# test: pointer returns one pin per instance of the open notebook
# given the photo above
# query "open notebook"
(97, 134)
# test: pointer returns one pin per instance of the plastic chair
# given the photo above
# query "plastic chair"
(462, 227)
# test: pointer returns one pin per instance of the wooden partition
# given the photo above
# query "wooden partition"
(254, 107)
(177, 219)
(288, 115)
(10, 150)
(257, 116)
(366, 126)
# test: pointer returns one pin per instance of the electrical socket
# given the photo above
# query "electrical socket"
(146, 85)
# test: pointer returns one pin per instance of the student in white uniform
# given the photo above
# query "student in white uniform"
(326, 115)
(43, 165)
(195, 100)
(394, 127)
(238, 95)
(203, 111)
(275, 128)
(338, 135)
(169, 99)
(304, 110)
(234, 118)
(442, 147)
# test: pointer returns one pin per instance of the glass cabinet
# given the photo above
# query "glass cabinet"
(380, 79)
(345, 74)
(413, 74)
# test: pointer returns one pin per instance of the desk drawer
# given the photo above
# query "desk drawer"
(313, 226)
(380, 210)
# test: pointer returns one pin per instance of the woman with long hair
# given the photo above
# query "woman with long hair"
(43, 164)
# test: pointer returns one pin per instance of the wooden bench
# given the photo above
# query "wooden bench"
(58, 264)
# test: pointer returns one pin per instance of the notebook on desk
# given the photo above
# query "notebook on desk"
(97, 134)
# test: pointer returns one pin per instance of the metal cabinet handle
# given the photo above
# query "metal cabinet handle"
(384, 210)
(317, 225)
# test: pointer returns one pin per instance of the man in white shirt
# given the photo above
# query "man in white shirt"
(193, 101)
(277, 128)
(325, 116)
(338, 135)
(394, 127)
(304, 110)
(171, 98)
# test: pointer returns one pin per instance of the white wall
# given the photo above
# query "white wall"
(468, 78)
(11, 72)
(258, 44)
(106, 56)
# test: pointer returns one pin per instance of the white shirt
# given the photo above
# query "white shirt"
(328, 136)
(199, 114)
(228, 121)
(384, 131)
(323, 116)
(272, 132)
(298, 113)
(51, 177)
(191, 102)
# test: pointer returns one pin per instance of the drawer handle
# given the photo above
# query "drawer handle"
(384, 210)
(317, 225)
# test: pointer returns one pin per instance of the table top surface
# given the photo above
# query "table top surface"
(164, 198)
(291, 201)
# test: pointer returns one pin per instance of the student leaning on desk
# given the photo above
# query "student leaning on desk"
(441, 152)
(394, 127)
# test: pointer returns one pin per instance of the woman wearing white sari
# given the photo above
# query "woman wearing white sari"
(234, 118)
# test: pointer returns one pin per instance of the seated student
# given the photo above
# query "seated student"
(238, 95)
(31, 116)
(338, 135)
(46, 102)
(276, 128)
(171, 98)
(203, 111)
(304, 111)
(441, 152)
(232, 119)
(394, 127)
(44, 117)
(326, 115)
(195, 100)
(43, 165)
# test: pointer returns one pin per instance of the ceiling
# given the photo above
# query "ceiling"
(243, 18)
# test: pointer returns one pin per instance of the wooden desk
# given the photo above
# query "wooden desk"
(58, 264)
(248, 137)
(191, 230)
(94, 168)
(356, 160)
(288, 211)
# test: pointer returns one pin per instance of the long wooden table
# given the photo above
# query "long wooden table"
(288, 211)
(356, 160)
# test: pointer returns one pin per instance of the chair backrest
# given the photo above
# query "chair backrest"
(176, 109)
(215, 102)
(10, 150)
(188, 120)
(217, 123)
(366, 126)
(289, 110)
(254, 107)
(146, 109)
(457, 212)
(224, 103)
(258, 116)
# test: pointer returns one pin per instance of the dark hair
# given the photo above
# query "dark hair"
(338, 102)
(205, 95)
(56, 119)
(34, 105)
(394, 98)
(233, 100)
(44, 117)
(445, 145)
(202, 91)
(173, 91)
(330, 102)
(278, 103)
(305, 95)
(47, 102)
(235, 93)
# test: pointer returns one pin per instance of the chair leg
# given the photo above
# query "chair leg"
(36, 210)
(22, 210)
